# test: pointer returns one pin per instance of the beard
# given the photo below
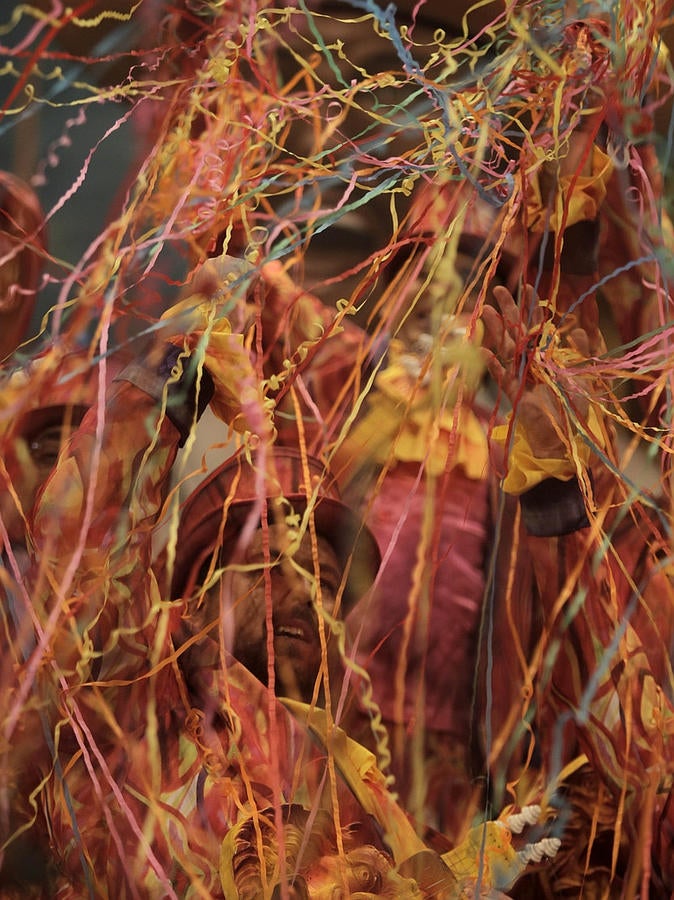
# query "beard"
(296, 656)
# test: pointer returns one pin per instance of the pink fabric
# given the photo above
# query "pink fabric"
(445, 655)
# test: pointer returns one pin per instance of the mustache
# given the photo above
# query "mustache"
(300, 617)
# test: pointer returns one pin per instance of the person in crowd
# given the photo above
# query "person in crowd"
(267, 562)
(80, 498)
(421, 452)
(599, 618)
(419, 443)
(598, 621)
(241, 578)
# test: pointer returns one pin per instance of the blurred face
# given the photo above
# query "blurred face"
(439, 299)
(272, 586)
(30, 455)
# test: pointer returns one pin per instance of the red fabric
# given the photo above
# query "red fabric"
(444, 654)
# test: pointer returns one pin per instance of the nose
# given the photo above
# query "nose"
(292, 588)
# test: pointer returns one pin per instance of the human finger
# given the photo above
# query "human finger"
(579, 341)
(493, 328)
(523, 321)
(508, 307)
(503, 375)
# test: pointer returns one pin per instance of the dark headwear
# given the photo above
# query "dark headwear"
(213, 515)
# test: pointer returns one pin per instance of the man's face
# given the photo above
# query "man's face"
(272, 586)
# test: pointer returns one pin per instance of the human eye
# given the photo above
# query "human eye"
(46, 446)
(328, 585)
(329, 582)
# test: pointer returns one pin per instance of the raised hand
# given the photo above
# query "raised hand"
(514, 335)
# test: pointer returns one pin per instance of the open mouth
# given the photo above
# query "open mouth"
(296, 628)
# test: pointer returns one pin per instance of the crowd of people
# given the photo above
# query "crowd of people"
(413, 637)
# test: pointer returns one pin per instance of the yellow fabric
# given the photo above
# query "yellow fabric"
(404, 421)
(581, 197)
(358, 767)
(486, 853)
(525, 470)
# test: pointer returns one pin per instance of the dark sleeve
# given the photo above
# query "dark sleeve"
(189, 389)
(579, 252)
(554, 508)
